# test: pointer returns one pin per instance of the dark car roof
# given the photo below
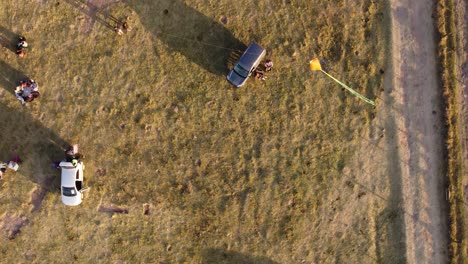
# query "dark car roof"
(251, 55)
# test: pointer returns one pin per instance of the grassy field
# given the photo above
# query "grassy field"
(258, 174)
(449, 60)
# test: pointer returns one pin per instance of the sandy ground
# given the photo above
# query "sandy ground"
(412, 114)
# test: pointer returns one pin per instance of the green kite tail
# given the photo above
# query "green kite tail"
(369, 101)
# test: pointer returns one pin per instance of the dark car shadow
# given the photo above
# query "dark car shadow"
(217, 255)
(187, 31)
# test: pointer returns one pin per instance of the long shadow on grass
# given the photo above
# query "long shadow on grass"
(96, 13)
(7, 39)
(10, 77)
(21, 134)
(217, 255)
(7, 33)
(189, 32)
(37, 145)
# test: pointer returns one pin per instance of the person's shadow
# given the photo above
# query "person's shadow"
(8, 39)
(219, 255)
(10, 77)
(185, 30)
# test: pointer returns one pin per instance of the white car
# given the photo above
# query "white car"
(72, 183)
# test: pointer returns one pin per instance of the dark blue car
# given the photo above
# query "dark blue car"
(246, 65)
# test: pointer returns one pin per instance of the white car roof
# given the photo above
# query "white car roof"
(68, 173)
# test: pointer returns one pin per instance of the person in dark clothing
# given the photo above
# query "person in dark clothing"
(3, 167)
(72, 155)
(21, 47)
(260, 75)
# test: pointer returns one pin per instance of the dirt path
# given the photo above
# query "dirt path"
(412, 114)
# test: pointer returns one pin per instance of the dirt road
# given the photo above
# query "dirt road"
(412, 113)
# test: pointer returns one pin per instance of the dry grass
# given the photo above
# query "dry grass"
(235, 175)
(447, 46)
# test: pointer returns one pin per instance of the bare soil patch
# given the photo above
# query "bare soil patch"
(112, 209)
(12, 225)
(37, 196)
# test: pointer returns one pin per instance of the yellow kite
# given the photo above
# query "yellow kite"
(315, 65)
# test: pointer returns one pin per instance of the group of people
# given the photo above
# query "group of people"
(27, 91)
(259, 74)
(71, 155)
(120, 30)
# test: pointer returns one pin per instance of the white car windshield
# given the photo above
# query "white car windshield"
(69, 191)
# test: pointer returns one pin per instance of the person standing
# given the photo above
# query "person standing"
(3, 167)
(21, 47)
(268, 65)
(72, 155)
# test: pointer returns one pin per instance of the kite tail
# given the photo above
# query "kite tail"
(367, 100)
